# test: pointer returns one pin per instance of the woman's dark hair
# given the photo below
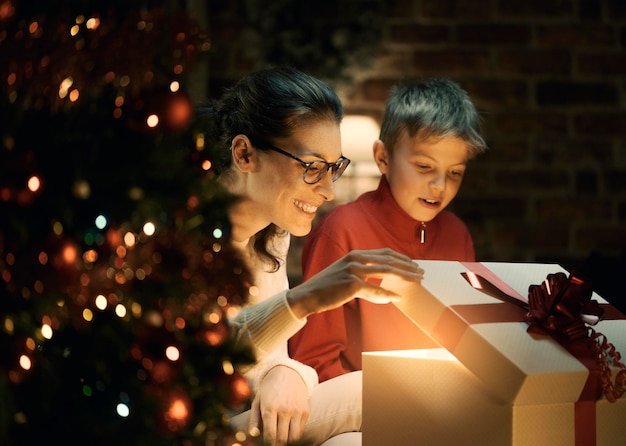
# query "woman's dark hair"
(268, 104)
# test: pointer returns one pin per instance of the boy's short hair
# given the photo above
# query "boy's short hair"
(430, 107)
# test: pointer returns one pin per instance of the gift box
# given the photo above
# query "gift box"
(499, 377)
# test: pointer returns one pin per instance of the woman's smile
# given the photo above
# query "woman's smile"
(306, 207)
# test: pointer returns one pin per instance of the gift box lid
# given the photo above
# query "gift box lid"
(490, 336)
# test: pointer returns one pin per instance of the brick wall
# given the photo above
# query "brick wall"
(549, 77)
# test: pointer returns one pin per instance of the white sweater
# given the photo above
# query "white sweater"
(267, 322)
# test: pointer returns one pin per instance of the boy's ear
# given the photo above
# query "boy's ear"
(381, 157)
(244, 154)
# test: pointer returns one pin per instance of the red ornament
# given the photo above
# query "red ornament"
(7, 10)
(175, 408)
(178, 112)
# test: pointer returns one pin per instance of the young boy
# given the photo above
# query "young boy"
(429, 132)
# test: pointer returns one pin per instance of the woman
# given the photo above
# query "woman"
(282, 127)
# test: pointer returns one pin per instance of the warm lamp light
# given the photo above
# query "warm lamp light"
(358, 133)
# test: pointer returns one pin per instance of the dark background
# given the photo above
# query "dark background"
(549, 77)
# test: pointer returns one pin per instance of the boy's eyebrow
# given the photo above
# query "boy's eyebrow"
(462, 163)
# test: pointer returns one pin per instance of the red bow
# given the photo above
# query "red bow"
(562, 307)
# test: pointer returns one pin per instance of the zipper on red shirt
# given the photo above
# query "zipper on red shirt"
(422, 232)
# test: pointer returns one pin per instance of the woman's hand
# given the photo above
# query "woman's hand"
(281, 407)
(347, 278)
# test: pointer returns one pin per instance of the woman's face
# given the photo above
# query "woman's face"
(277, 185)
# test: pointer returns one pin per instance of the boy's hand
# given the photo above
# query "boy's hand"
(357, 274)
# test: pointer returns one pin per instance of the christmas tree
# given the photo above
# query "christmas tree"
(116, 273)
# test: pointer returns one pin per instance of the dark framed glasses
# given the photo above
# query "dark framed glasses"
(314, 171)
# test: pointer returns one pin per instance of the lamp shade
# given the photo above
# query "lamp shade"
(358, 133)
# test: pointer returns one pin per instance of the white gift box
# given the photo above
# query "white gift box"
(492, 382)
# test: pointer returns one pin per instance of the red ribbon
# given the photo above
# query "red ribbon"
(561, 307)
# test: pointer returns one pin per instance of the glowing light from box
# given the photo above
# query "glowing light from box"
(425, 353)
(473, 280)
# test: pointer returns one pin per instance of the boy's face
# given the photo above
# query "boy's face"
(424, 175)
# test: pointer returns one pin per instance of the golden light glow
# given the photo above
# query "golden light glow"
(81, 189)
(65, 86)
(69, 254)
(200, 144)
(120, 251)
(46, 331)
(174, 86)
(25, 362)
(178, 410)
(213, 317)
(87, 314)
(93, 23)
(228, 368)
(9, 326)
(101, 302)
(34, 184)
(43, 258)
(206, 165)
(129, 239)
(57, 228)
(135, 309)
(30, 344)
(149, 228)
(90, 256)
(120, 310)
(152, 121)
(172, 353)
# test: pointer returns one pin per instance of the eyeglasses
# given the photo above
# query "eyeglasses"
(314, 171)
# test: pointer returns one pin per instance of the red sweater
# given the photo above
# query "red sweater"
(332, 341)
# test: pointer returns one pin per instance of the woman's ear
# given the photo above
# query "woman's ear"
(243, 153)
(381, 156)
